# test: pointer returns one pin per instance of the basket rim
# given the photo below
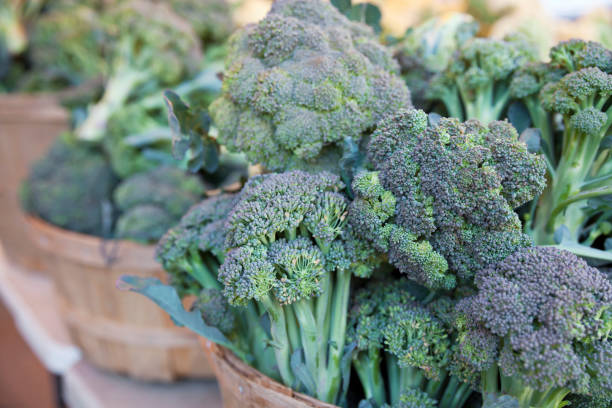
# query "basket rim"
(252, 375)
(89, 249)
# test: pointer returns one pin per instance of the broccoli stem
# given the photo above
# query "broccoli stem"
(455, 393)
(529, 397)
(367, 366)
(338, 324)
(540, 119)
(561, 203)
(488, 103)
(309, 333)
(452, 103)
(195, 267)
(292, 329)
(278, 330)
(117, 91)
(393, 377)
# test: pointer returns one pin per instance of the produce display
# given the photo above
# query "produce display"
(373, 220)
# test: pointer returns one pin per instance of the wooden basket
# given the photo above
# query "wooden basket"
(244, 387)
(117, 331)
(28, 126)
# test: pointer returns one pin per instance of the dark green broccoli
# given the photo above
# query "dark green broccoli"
(154, 201)
(216, 311)
(210, 19)
(71, 187)
(288, 247)
(577, 86)
(151, 48)
(301, 82)
(67, 48)
(441, 201)
(538, 328)
(386, 323)
(476, 83)
(427, 49)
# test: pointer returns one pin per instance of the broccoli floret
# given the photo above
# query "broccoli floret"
(427, 49)
(288, 247)
(578, 159)
(540, 319)
(164, 193)
(143, 223)
(71, 187)
(150, 48)
(455, 187)
(475, 84)
(300, 82)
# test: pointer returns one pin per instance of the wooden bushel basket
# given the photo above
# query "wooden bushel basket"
(118, 331)
(28, 126)
(243, 386)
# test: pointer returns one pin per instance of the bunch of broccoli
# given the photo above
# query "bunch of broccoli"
(302, 83)
(569, 101)
(409, 282)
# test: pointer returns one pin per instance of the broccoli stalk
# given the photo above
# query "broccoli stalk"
(290, 252)
(150, 47)
(538, 328)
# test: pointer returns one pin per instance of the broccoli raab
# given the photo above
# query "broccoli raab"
(575, 86)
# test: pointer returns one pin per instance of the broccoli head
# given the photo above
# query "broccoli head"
(542, 318)
(288, 246)
(574, 55)
(475, 85)
(164, 194)
(71, 187)
(442, 200)
(300, 82)
(215, 310)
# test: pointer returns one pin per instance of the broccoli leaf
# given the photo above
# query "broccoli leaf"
(165, 296)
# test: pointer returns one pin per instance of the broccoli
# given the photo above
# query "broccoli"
(577, 86)
(71, 187)
(441, 200)
(300, 83)
(428, 48)
(153, 201)
(476, 82)
(150, 48)
(67, 48)
(388, 324)
(290, 251)
(538, 328)
(211, 19)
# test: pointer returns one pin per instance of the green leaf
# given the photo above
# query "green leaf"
(342, 5)
(166, 297)
(190, 134)
(366, 13)
(519, 116)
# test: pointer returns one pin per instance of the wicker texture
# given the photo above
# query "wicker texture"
(118, 331)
